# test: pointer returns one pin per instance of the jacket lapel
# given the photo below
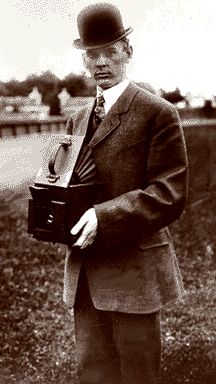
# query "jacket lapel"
(112, 119)
(81, 124)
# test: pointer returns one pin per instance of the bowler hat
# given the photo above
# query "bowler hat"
(99, 25)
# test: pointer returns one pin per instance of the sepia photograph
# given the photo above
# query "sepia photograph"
(107, 192)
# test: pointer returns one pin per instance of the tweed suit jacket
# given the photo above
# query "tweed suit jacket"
(140, 154)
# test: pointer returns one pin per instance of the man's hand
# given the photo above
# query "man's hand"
(89, 223)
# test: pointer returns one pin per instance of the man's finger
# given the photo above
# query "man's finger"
(83, 239)
(87, 236)
(79, 225)
(79, 242)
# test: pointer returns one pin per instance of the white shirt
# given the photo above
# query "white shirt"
(112, 94)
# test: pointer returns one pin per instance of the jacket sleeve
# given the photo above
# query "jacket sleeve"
(143, 212)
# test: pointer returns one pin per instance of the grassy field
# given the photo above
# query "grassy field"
(37, 334)
(36, 330)
(37, 337)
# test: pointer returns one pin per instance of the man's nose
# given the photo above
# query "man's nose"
(101, 60)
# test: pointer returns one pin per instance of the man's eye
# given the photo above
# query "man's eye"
(91, 54)
(111, 52)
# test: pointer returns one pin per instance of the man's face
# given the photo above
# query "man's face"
(107, 65)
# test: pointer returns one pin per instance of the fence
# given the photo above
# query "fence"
(16, 127)
(200, 138)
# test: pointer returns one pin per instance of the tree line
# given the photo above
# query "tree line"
(49, 85)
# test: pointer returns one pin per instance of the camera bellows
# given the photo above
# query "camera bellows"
(85, 170)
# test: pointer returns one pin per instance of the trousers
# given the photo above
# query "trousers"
(114, 347)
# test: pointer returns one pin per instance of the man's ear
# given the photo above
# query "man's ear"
(84, 58)
(129, 53)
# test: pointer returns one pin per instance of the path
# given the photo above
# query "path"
(20, 160)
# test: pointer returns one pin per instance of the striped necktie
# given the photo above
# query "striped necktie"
(98, 115)
(99, 109)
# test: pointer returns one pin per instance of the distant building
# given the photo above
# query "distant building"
(70, 104)
(30, 106)
(197, 106)
(65, 101)
(195, 100)
(35, 97)
(182, 105)
(214, 102)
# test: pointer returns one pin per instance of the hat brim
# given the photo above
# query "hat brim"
(79, 45)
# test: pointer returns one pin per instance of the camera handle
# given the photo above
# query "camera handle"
(65, 143)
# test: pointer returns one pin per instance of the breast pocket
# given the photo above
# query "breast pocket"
(133, 150)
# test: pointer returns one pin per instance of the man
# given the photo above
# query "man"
(122, 269)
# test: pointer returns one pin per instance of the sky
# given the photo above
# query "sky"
(173, 41)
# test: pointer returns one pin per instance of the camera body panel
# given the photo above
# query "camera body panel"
(53, 211)
(56, 204)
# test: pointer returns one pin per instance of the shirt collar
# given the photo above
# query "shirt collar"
(112, 94)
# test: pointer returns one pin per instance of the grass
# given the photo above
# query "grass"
(189, 327)
(36, 332)
(36, 329)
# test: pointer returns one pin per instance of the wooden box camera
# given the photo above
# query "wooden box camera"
(60, 196)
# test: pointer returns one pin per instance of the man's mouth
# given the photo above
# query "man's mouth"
(102, 74)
